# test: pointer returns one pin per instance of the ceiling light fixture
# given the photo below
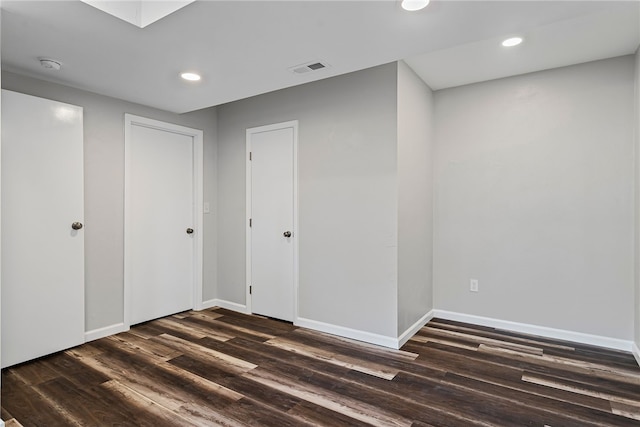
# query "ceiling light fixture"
(513, 41)
(192, 77)
(413, 5)
(50, 64)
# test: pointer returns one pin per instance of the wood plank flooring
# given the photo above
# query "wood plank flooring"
(218, 367)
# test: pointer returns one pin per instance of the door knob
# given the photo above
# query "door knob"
(287, 234)
(189, 230)
(76, 225)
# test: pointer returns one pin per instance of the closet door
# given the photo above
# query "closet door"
(42, 227)
(272, 235)
(163, 235)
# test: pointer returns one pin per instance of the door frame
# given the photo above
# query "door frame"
(131, 120)
(251, 131)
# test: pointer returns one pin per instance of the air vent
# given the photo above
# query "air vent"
(316, 66)
(307, 68)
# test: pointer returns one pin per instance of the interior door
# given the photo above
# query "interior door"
(160, 219)
(42, 238)
(272, 220)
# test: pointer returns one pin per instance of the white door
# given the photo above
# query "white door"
(161, 219)
(272, 211)
(42, 254)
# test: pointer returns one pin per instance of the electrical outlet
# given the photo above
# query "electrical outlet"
(473, 285)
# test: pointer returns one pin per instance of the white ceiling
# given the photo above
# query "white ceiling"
(244, 48)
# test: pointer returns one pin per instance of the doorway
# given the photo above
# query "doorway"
(163, 219)
(272, 229)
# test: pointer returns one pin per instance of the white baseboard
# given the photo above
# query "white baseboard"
(233, 306)
(406, 335)
(209, 304)
(335, 329)
(542, 331)
(104, 332)
(636, 352)
(342, 331)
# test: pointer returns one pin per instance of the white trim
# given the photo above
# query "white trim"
(1, 423)
(198, 206)
(198, 154)
(342, 331)
(210, 303)
(543, 331)
(413, 329)
(233, 306)
(636, 352)
(248, 211)
(296, 230)
(104, 332)
(284, 125)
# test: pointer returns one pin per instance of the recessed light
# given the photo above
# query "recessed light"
(413, 5)
(192, 77)
(513, 41)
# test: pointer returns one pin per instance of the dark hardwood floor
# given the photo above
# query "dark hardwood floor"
(217, 367)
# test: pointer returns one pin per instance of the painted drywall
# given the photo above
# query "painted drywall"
(415, 198)
(104, 190)
(534, 198)
(1, 421)
(347, 201)
(636, 322)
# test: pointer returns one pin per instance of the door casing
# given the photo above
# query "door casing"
(289, 124)
(197, 135)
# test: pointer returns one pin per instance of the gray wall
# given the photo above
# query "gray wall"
(415, 198)
(347, 196)
(637, 200)
(104, 190)
(534, 197)
(0, 197)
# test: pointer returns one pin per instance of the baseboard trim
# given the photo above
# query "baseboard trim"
(104, 332)
(233, 306)
(543, 331)
(345, 332)
(413, 329)
(636, 352)
(209, 304)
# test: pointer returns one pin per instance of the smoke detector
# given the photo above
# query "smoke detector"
(50, 64)
(308, 67)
